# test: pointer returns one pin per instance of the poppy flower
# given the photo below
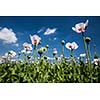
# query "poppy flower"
(27, 46)
(96, 61)
(35, 39)
(82, 55)
(80, 27)
(71, 46)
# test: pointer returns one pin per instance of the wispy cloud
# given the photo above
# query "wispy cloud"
(41, 30)
(53, 39)
(50, 31)
(7, 36)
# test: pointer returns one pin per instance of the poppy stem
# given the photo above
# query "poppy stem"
(85, 46)
(71, 53)
(90, 59)
(63, 50)
(89, 53)
(24, 57)
(18, 57)
(40, 56)
(35, 53)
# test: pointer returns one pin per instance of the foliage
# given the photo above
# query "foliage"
(45, 72)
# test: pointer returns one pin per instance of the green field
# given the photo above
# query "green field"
(45, 72)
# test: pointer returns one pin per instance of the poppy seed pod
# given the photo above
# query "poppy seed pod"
(55, 52)
(45, 57)
(29, 57)
(95, 56)
(19, 53)
(62, 42)
(47, 46)
(94, 45)
(42, 50)
(87, 39)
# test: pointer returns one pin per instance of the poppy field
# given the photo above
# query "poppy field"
(32, 68)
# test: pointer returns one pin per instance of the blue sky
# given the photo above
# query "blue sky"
(23, 26)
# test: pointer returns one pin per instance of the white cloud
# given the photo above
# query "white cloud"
(50, 31)
(17, 45)
(7, 35)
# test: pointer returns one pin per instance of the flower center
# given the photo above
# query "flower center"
(35, 42)
(80, 29)
(70, 46)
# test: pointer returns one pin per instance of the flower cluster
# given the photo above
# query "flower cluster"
(11, 53)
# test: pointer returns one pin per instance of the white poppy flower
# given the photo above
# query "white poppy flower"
(82, 55)
(27, 46)
(96, 61)
(35, 39)
(80, 27)
(71, 46)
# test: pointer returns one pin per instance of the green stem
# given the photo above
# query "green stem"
(71, 53)
(46, 53)
(89, 53)
(40, 56)
(25, 58)
(18, 57)
(63, 50)
(35, 53)
(95, 53)
(85, 46)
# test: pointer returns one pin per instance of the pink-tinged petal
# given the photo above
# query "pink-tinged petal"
(75, 46)
(31, 39)
(86, 23)
(74, 29)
